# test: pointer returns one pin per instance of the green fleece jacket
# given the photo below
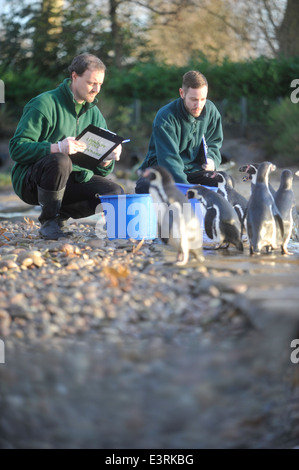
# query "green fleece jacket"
(48, 118)
(177, 136)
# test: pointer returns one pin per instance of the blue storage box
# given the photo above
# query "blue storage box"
(130, 216)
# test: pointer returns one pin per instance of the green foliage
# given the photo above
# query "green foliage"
(144, 87)
(5, 180)
(283, 139)
(21, 86)
(260, 79)
(146, 81)
(132, 121)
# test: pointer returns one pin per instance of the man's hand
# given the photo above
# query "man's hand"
(70, 145)
(209, 166)
(114, 155)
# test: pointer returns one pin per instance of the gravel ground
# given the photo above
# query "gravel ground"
(110, 345)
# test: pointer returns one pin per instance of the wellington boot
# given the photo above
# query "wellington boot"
(50, 202)
(50, 230)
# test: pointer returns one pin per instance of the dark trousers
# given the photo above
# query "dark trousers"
(54, 172)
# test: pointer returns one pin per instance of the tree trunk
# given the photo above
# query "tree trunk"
(115, 33)
(288, 31)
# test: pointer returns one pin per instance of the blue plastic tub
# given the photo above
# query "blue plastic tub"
(130, 216)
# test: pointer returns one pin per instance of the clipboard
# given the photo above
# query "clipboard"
(100, 142)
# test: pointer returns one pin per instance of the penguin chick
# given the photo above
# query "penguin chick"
(221, 222)
(285, 202)
(263, 218)
(226, 188)
(178, 224)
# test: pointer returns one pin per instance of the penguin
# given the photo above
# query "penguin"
(285, 202)
(251, 174)
(295, 231)
(226, 187)
(220, 219)
(263, 219)
(178, 224)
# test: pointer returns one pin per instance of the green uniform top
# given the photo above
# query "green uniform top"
(48, 118)
(176, 142)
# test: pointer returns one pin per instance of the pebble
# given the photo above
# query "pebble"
(140, 351)
(69, 286)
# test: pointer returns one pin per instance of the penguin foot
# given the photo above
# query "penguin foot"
(240, 246)
(198, 257)
(181, 263)
(285, 251)
(182, 258)
(223, 246)
(252, 251)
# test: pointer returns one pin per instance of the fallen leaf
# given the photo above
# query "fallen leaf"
(137, 247)
(2, 232)
(30, 222)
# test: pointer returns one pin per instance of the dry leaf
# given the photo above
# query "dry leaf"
(2, 232)
(137, 247)
(30, 222)
(115, 274)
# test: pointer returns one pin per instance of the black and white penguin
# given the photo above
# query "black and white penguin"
(285, 202)
(251, 174)
(220, 219)
(263, 219)
(226, 187)
(178, 225)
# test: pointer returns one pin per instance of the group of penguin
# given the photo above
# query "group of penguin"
(267, 219)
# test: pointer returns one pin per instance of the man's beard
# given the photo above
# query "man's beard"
(194, 113)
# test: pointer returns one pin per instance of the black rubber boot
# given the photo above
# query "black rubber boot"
(62, 222)
(50, 202)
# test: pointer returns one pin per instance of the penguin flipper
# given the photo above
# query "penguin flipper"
(278, 220)
(209, 221)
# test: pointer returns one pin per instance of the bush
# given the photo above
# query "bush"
(283, 139)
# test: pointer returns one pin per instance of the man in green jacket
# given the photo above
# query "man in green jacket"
(43, 172)
(186, 134)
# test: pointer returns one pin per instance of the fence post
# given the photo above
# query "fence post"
(243, 106)
(2, 352)
(2, 92)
